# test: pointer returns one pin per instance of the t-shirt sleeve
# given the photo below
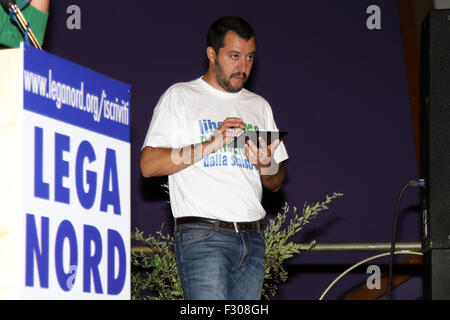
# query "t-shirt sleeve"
(10, 34)
(280, 152)
(159, 131)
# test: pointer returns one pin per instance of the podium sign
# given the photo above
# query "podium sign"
(64, 180)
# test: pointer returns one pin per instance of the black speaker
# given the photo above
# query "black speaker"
(435, 157)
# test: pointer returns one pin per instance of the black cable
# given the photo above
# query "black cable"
(412, 183)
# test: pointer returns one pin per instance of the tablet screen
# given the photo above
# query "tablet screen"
(268, 136)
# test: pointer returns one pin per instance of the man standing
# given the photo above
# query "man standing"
(216, 191)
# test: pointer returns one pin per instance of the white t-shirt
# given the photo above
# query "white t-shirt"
(223, 185)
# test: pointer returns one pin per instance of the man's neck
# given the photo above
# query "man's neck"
(210, 79)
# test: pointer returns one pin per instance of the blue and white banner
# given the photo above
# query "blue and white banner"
(76, 181)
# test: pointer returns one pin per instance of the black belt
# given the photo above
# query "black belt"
(236, 226)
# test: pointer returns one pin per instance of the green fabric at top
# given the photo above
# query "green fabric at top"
(10, 34)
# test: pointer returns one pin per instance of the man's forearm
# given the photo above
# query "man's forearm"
(275, 181)
(164, 161)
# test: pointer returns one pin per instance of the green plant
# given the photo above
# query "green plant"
(278, 248)
(157, 264)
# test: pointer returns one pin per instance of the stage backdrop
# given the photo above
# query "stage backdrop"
(334, 74)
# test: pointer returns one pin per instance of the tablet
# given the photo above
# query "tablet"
(268, 136)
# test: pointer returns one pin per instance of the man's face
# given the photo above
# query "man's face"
(233, 62)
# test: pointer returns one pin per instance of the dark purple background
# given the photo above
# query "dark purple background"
(337, 87)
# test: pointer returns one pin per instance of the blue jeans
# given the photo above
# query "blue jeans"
(216, 264)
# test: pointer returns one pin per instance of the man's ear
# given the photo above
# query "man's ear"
(211, 54)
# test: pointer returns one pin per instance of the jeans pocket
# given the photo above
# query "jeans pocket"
(194, 235)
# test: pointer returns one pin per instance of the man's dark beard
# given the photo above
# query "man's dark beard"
(225, 83)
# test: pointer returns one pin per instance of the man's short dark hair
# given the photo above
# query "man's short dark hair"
(220, 27)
